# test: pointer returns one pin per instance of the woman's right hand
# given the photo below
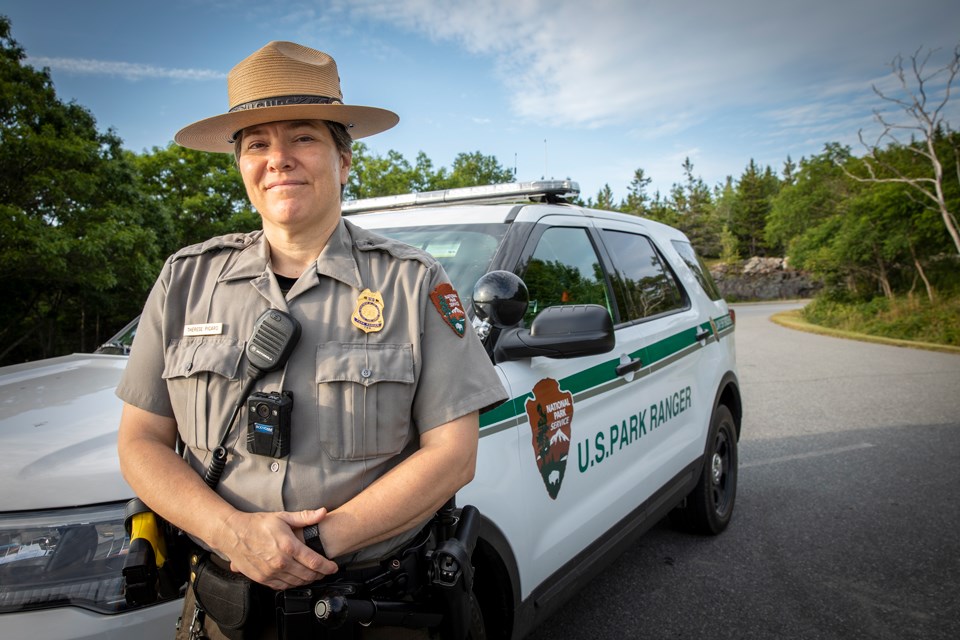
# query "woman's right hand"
(265, 547)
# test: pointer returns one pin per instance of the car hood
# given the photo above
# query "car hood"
(58, 426)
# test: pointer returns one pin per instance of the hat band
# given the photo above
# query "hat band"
(280, 101)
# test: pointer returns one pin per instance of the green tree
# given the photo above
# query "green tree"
(196, 195)
(925, 104)
(724, 200)
(605, 199)
(868, 238)
(474, 169)
(693, 203)
(729, 247)
(662, 210)
(373, 175)
(914, 229)
(818, 190)
(789, 170)
(424, 177)
(637, 202)
(755, 191)
(76, 253)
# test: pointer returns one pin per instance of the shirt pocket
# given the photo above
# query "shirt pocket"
(202, 381)
(364, 397)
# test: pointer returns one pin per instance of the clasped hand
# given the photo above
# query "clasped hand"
(268, 548)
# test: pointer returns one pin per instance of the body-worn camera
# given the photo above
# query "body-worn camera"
(268, 423)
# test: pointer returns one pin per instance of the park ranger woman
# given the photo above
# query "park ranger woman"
(386, 379)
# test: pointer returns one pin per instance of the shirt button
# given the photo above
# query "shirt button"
(189, 366)
(274, 466)
(366, 373)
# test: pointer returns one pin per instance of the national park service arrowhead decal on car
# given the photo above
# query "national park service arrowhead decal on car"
(550, 413)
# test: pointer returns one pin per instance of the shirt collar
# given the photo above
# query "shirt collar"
(335, 261)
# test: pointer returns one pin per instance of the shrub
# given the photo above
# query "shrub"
(906, 318)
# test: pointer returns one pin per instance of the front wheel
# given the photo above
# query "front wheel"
(710, 505)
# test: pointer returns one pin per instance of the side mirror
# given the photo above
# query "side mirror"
(561, 332)
(501, 298)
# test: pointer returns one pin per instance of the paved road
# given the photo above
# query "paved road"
(847, 522)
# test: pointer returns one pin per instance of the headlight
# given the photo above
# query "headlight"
(64, 557)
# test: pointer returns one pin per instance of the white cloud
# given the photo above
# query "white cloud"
(126, 70)
(616, 61)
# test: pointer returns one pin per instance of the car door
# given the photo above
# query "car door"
(553, 399)
(672, 396)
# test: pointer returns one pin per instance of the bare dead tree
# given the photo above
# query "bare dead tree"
(924, 102)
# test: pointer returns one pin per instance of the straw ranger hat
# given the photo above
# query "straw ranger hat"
(283, 81)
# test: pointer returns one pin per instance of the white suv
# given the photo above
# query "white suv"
(607, 331)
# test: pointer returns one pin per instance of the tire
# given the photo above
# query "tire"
(709, 506)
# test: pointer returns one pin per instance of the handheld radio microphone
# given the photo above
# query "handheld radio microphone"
(275, 334)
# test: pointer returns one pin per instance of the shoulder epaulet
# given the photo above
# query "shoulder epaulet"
(234, 241)
(366, 240)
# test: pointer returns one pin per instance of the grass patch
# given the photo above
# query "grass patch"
(912, 319)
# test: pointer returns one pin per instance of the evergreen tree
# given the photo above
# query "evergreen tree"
(693, 203)
(638, 201)
(789, 170)
(755, 190)
(605, 199)
(662, 210)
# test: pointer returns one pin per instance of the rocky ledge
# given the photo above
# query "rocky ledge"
(763, 279)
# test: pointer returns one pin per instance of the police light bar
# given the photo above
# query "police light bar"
(545, 190)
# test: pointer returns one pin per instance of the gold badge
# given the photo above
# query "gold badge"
(368, 316)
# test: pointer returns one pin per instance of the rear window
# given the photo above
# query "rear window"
(643, 284)
(685, 249)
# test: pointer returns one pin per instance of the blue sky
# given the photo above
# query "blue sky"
(588, 90)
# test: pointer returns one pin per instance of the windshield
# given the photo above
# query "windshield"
(120, 343)
(464, 251)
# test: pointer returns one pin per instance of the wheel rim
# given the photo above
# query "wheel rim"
(720, 473)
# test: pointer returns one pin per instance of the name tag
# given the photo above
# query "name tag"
(211, 329)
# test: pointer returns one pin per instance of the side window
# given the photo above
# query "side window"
(564, 269)
(643, 285)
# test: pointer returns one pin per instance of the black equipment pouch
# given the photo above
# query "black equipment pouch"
(230, 599)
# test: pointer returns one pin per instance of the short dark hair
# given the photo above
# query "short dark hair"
(343, 142)
(341, 137)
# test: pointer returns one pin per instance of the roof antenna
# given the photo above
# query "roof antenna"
(545, 172)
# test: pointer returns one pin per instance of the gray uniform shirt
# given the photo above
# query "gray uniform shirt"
(360, 398)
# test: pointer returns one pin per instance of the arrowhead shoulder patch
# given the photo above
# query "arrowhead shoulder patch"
(447, 302)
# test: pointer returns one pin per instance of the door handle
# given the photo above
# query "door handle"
(703, 335)
(629, 367)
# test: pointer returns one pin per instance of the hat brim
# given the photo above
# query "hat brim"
(216, 133)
